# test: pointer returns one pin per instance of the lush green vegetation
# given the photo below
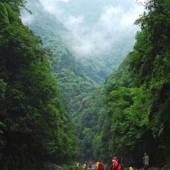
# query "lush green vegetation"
(137, 94)
(78, 81)
(132, 121)
(126, 116)
(34, 125)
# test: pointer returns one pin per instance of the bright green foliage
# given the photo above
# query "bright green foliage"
(75, 85)
(127, 125)
(34, 126)
(153, 65)
(138, 93)
(15, 4)
(78, 79)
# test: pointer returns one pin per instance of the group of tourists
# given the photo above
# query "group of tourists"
(116, 164)
(89, 166)
(86, 166)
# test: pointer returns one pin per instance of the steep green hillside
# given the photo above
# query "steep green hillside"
(97, 52)
(126, 116)
(102, 29)
(34, 125)
(73, 82)
(138, 94)
(79, 80)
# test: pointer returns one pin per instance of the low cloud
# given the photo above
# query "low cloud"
(27, 19)
(115, 22)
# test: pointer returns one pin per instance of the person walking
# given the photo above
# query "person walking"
(97, 163)
(100, 165)
(77, 166)
(85, 165)
(146, 161)
(90, 165)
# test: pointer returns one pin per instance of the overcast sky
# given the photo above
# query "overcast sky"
(115, 22)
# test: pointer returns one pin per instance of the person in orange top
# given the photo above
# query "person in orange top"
(115, 164)
(97, 165)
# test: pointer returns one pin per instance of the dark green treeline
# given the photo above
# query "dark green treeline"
(34, 126)
(138, 94)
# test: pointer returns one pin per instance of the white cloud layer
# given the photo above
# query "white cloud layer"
(114, 23)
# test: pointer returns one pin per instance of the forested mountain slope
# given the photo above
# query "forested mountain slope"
(79, 76)
(77, 27)
(34, 125)
(74, 83)
(79, 79)
(126, 116)
(102, 32)
(138, 93)
(82, 96)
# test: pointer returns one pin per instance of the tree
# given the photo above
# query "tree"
(150, 63)
(35, 125)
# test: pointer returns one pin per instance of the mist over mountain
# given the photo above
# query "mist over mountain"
(89, 39)
(98, 32)
(96, 26)
(70, 90)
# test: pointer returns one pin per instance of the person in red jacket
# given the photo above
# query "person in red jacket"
(100, 166)
(115, 164)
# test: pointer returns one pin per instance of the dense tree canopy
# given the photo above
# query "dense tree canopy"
(153, 67)
(127, 116)
(34, 124)
(138, 93)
